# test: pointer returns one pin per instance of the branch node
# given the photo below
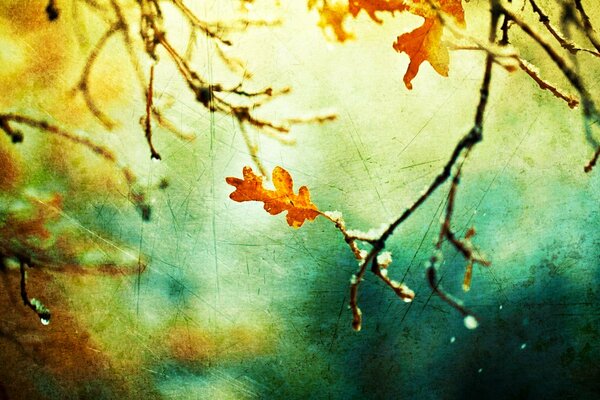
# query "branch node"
(52, 11)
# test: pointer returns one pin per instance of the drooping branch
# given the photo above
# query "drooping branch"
(36, 305)
(474, 136)
(464, 246)
(506, 61)
(470, 320)
(530, 70)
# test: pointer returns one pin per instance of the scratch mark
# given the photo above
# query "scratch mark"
(364, 163)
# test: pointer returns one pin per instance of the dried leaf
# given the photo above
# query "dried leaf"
(425, 42)
(298, 206)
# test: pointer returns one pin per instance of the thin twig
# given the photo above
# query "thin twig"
(463, 246)
(128, 42)
(163, 121)
(566, 44)
(148, 119)
(197, 23)
(431, 274)
(36, 305)
(587, 25)
(545, 85)
(590, 111)
(592, 163)
(83, 85)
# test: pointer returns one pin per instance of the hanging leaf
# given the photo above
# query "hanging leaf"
(298, 206)
(425, 42)
(422, 44)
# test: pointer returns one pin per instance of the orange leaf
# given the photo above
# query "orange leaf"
(298, 206)
(425, 42)
(372, 6)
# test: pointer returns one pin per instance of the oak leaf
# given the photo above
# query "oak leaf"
(298, 206)
(334, 18)
(425, 42)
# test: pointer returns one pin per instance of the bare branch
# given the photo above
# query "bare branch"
(566, 44)
(590, 111)
(545, 85)
(468, 141)
(37, 306)
(587, 25)
(198, 24)
(147, 121)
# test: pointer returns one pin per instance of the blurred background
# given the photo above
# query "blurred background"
(217, 299)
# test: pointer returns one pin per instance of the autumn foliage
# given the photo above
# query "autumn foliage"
(298, 206)
(421, 44)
